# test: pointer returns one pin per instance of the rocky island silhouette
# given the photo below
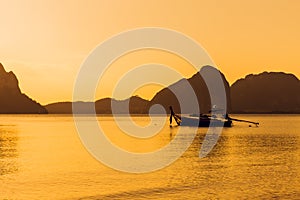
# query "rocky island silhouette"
(12, 100)
(267, 92)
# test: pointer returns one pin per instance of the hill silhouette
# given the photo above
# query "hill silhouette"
(136, 104)
(167, 97)
(273, 92)
(267, 92)
(12, 100)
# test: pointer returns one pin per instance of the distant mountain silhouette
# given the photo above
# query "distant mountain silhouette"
(66, 107)
(136, 104)
(274, 92)
(166, 96)
(12, 100)
(268, 92)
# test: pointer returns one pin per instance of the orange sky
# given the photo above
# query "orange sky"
(45, 42)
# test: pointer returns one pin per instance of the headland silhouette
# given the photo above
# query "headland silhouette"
(267, 92)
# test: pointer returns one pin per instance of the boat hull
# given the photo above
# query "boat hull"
(196, 122)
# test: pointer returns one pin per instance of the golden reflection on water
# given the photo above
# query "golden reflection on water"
(41, 157)
(8, 149)
(133, 144)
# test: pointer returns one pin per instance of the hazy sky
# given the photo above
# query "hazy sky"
(45, 42)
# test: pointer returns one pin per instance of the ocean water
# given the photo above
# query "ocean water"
(42, 157)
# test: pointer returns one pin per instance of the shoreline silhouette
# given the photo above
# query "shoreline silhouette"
(264, 93)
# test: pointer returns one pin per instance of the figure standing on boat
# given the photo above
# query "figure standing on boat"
(176, 117)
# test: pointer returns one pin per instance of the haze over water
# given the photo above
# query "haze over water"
(41, 157)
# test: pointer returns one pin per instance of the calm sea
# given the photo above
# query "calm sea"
(42, 157)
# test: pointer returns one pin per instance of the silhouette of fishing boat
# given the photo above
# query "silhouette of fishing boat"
(205, 120)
